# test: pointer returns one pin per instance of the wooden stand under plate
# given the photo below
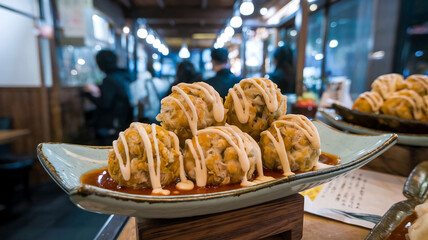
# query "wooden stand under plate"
(282, 218)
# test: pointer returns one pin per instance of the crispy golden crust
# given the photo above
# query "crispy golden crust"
(140, 177)
(387, 84)
(174, 119)
(368, 102)
(405, 104)
(302, 155)
(222, 162)
(260, 117)
(418, 83)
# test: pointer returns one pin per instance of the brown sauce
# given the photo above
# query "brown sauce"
(399, 233)
(101, 178)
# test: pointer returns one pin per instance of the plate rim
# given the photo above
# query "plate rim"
(375, 131)
(85, 190)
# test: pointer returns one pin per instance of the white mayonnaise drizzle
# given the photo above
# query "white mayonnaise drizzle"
(387, 84)
(421, 79)
(125, 169)
(415, 101)
(374, 99)
(301, 123)
(211, 95)
(184, 183)
(241, 103)
(243, 145)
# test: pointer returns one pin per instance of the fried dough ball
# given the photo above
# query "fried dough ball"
(253, 104)
(221, 147)
(418, 83)
(195, 105)
(387, 84)
(368, 102)
(135, 170)
(291, 144)
(404, 104)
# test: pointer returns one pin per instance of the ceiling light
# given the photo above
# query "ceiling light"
(229, 31)
(263, 11)
(165, 52)
(126, 30)
(290, 8)
(155, 56)
(333, 43)
(81, 61)
(319, 56)
(313, 7)
(246, 8)
(142, 33)
(184, 52)
(157, 43)
(218, 45)
(236, 22)
(150, 39)
(293, 33)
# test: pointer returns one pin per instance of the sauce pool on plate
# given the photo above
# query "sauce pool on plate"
(101, 178)
(399, 233)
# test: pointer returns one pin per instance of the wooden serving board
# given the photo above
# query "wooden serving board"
(282, 217)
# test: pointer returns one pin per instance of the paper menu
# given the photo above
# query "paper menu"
(359, 198)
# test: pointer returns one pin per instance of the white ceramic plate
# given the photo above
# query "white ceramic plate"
(66, 163)
(405, 139)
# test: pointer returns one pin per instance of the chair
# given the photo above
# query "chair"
(14, 171)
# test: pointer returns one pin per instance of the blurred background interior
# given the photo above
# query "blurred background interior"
(50, 80)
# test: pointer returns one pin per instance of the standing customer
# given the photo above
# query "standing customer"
(284, 74)
(224, 78)
(113, 99)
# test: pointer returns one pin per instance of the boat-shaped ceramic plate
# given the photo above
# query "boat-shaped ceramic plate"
(67, 163)
(403, 138)
(416, 191)
(381, 121)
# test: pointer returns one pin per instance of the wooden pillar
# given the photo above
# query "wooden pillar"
(302, 28)
(55, 106)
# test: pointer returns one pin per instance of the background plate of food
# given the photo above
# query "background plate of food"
(67, 163)
(337, 120)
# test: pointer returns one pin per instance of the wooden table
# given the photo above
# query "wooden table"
(314, 227)
(7, 136)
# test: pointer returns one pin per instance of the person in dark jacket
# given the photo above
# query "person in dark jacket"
(114, 109)
(186, 73)
(284, 74)
(224, 78)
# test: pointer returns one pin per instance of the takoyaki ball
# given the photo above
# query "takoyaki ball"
(191, 107)
(388, 84)
(405, 104)
(135, 153)
(253, 104)
(418, 83)
(368, 102)
(291, 144)
(228, 156)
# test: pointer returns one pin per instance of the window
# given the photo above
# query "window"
(312, 72)
(349, 41)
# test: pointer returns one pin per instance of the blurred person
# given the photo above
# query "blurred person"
(112, 98)
(224, 78)
(186, 73)
(284, 73)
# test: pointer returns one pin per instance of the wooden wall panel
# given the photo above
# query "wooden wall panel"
(26, 107)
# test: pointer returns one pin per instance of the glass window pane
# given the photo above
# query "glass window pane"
(349, 41)
(314, 52)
